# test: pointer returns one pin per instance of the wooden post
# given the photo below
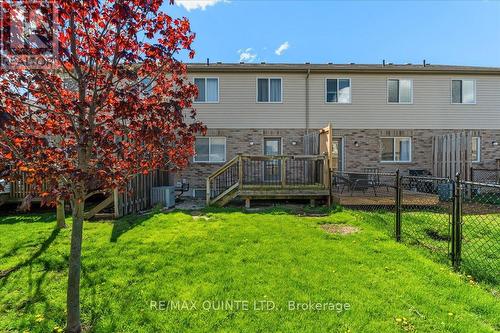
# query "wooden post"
(208, 195)
(443, 157)
(326, 173)
(434, 156)
(453, 153)
(60, 217)
(247, 203)
(240, 170)
(330, 146)
(313, 202)
(283, 171)
(116, 203)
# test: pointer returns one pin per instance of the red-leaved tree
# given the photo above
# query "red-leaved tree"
(113, 105)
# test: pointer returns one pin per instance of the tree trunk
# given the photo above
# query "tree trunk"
(60, 214)
(73, 293)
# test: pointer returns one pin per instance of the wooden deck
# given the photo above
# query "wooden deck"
(270, 177)
(136, 196)
(284, 194)
(383, 197)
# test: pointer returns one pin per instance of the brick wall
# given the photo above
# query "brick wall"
(367, 153)
(238, 141)
(362, 149)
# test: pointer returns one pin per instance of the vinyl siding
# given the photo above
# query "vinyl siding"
(238, 107)
(431, 108)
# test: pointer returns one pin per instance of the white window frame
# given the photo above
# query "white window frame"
(193, 193)
(394, 149)
(268, 89)
(478, 160)
(474, 91)
(209, 149)
(338, 78)
(399, 92)
(218, 90)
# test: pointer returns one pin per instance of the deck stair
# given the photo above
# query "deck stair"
(269, 177)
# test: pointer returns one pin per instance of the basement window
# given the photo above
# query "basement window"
(210, 150)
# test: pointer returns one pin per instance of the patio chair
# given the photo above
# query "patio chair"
(340, 180)
(181, 188)
(362, 182)
(376, 182)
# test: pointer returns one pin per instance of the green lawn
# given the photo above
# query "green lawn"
(431, 231)
(230, 255)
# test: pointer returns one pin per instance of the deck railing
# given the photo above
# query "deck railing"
(21, 188)
(268, 173)
(284, 171)
(223, 180)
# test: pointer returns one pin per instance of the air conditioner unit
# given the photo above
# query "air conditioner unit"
(163, 195)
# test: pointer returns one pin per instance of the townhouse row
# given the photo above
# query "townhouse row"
(337, 90)
(383, 117)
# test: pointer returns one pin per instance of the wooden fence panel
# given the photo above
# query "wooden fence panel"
(137, 195)
(452, 153)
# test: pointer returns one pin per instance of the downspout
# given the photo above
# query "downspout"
(307, 100)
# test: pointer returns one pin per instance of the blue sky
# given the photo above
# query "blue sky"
(455, 33)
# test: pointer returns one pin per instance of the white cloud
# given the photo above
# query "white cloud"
(282, 48)
(197, 4)
(247, 55)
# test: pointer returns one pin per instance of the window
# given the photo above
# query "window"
(147, 86)
(269, 90)
(476, 149)
(463, 91)
(338, 90)
(396, 149)
(208, 90)
(399, 91)
(211, 149)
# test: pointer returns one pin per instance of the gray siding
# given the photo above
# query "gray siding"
(431, 108)
(238, 107)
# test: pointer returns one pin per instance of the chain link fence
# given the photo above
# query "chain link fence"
(426, 213)
(372, 194)
(480, 241)
(455, 221)
(487, 176)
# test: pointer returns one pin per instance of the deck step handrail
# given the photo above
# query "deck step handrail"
(230, 180)
(224, 167)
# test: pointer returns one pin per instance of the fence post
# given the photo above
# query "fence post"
(240, 170)
(398, 207)
(456, 228)
(208, 194)
(283, 171)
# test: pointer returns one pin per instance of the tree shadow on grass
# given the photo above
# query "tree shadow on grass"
(28, 218)
(45, 245)
(94, 303)
(125, 224)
